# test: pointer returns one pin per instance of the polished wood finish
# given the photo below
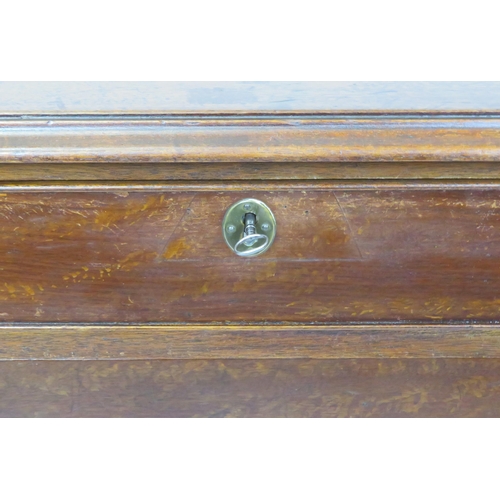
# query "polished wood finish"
(255, 171)
(252, 388)
(358, 253)
(379, 296)
(250, 139)
(147, 342)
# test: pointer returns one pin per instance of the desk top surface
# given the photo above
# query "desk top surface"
(60, 98)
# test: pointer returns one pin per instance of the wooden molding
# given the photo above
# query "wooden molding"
(208, 139)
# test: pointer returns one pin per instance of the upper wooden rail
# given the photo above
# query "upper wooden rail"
(209, 139)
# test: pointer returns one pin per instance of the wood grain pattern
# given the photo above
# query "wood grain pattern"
(250, 139)
(255, 171)
(251, 388)
(105, 342)
(342, 255)
(379, 297)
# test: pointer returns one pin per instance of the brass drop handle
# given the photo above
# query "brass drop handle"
(250, 238)
(249, 227)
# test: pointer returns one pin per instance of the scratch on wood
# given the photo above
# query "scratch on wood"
(167, 243)
(351, 232)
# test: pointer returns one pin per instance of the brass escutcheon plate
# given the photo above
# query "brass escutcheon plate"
(233, 227)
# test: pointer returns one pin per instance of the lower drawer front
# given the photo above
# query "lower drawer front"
(252, 388)
(341, 254)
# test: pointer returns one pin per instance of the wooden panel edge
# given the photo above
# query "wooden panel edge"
(255, 185)
(93, 342)
(240, 171)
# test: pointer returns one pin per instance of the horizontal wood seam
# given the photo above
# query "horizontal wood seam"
(271, 185)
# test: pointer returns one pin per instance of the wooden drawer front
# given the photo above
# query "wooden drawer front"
(252, 388)
(342, 254)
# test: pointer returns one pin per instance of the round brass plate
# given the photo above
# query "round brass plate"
(233, 227)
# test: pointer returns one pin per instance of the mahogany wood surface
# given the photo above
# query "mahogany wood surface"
(134, 342)
(358, 253)
(255, 171)
(252, 388)
(131, 122)
(250, 139)
(379, 296)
